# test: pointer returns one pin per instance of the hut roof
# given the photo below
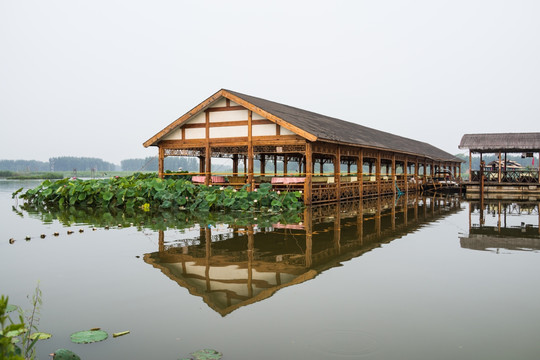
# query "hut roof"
(509, 142)
(313, 126)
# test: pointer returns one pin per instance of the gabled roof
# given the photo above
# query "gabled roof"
(313, 126)
(509, 142)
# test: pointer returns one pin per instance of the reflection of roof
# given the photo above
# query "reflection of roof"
(227, 286)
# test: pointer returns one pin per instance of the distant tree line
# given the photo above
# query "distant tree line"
(69, 163)
(24, 165)
(63, 163)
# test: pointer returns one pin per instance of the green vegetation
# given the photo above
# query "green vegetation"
(148, 192)
(30, 176)
(24, 331)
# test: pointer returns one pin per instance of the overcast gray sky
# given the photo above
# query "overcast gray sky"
(98, 78)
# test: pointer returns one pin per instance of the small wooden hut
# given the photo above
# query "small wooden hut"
(502, 177)
(244, 128)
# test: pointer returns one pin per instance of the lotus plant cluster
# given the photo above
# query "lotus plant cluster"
(147, 191)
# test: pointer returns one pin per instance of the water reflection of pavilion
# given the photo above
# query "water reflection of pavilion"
(511, 224)
(235, 267)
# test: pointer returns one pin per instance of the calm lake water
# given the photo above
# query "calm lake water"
(411, 278)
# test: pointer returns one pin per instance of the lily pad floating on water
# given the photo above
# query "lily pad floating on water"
(11, 308)
(89, 336)
(40, 336)
(207, 354)
(65, 354)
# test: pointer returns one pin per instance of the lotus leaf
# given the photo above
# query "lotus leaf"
(40, 336)
(107, 196)
(207, 354)
(11, 308)
(89, 336)
(64, 354)
(16, 332)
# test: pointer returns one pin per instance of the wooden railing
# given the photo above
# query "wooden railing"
(508, 176)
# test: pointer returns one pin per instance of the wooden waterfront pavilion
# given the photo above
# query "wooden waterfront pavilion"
(502, 178)
(246, 129)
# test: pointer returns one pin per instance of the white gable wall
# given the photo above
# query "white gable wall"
(229, 116)
(176, 134)
(235, 115)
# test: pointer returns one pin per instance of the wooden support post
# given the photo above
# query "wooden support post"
(416, 175)
(309, 173)
(161, 159)
(360, 173)
(337, 227)
(235, 164)
(308, 226)
(201, 165)
(250, 151)
(161, 240)
(393, 214)
(360, 221)
(322, 167)
(245, 165)
(378, 173)
(263, 164)
(208, 166)
(378, 217)
(208, 248)
(275, 165)
(394, 175)
(348, 167)
(285, 160)
(500, 167)
(250, 251)
(406, 176)
(208, 155)
(337, 172)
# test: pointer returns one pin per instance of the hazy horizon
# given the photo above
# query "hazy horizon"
(97, 79)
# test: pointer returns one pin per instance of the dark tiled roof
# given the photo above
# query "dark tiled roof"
(336, 130)
(510, 142)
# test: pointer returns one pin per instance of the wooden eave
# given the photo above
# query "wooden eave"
(153, 141)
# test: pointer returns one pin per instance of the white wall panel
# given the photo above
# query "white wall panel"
(198, 119)
(195, 133)
(228, 131)
(235, 115)
(283, 131)
(264, 130)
